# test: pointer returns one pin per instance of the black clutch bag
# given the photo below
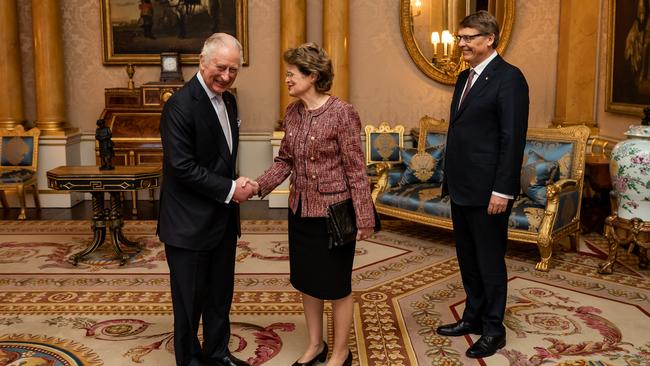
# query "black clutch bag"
(342, 223)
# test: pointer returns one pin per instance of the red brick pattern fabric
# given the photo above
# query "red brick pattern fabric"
(321, 150)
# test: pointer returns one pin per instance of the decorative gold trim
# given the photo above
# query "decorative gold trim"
(447, 77)
(111, 58)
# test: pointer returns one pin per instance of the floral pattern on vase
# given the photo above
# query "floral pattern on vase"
(630, 172)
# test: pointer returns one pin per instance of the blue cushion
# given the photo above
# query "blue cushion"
(423, 198)
(422, 167)
(526, 215)
(16, 176)
(536, 174)
(562, 152)
(17, 151)
(384, 146)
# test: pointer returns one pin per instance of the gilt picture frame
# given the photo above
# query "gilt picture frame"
(137, 31)
(628, 54)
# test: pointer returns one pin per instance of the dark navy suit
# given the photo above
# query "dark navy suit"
(484, 151)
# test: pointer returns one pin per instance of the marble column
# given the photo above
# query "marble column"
(48, 68)
(577, 60)
(293, 32)
(11, 87)
(336, 41)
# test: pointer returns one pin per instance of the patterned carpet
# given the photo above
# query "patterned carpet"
(406, 282)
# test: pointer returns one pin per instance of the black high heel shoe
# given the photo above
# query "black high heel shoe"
(321, 357)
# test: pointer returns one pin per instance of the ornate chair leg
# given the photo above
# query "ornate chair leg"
(545, 251)
(37, 201)
(21, 196)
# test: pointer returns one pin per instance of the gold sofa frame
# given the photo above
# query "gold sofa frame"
(545, 237)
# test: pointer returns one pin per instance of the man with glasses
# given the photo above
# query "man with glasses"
(199, 210)
(484, 151)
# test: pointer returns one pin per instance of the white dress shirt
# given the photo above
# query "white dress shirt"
(220, 109)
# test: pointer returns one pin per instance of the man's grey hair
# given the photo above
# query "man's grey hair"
(218, 40)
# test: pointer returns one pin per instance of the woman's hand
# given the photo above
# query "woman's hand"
(364, 232)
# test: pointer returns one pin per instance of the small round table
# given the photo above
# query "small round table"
(97, 182)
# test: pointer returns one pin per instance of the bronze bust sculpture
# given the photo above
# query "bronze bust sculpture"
(103, 136)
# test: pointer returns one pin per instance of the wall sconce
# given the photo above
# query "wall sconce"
(447, 41)
(416, 8)
(435, 39)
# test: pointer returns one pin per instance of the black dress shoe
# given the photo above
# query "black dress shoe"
(321, 357)
(459, 328)
(486, 346)
(231, 361)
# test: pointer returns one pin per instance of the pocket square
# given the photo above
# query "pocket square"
(238, 122)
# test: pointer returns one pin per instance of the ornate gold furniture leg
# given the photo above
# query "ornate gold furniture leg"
(619, 231)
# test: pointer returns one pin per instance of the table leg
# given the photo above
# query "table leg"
(98, 225)
(116, 224)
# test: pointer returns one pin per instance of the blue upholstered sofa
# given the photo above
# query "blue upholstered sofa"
(547, 210)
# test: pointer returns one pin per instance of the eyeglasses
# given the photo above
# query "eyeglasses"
(467, 38)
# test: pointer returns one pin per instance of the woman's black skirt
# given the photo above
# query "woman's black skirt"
(316, 270)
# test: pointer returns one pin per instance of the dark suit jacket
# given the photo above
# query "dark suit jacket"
(487, 135)
(198, 170)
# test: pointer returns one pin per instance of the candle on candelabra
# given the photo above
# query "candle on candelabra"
(435, 39)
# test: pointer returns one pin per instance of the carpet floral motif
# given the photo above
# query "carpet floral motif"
(406, 283)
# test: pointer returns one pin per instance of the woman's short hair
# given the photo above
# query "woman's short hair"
(483, 22)
(218, 40)
(311, 58)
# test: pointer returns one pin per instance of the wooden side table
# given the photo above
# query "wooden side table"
(97, 182)
(620, 231)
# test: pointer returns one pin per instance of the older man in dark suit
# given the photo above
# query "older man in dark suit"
(199, 211)
(485, 143)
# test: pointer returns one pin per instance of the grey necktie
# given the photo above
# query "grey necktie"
(468, 86)
(223, 120)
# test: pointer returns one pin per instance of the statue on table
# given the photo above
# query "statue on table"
(103, 136)
(646, 119)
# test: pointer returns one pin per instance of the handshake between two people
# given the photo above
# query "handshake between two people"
(245, 188)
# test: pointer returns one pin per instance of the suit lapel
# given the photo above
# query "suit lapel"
(484, 79)
(231, 109)
(462, 79)
(208, 116)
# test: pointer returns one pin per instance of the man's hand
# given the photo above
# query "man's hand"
(364, 232)
(497, 205)
(244, 189)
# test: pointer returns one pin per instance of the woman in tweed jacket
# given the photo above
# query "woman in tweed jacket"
(321, 150)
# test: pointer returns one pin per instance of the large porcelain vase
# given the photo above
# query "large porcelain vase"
(630, 171)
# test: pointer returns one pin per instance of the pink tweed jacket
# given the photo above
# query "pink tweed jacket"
(321, 150)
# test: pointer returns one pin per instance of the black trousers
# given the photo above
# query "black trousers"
(202, 285)
(481, 242)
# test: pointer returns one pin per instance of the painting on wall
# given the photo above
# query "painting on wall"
(137, 31)
(628, 79)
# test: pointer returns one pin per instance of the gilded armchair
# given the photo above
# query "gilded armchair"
(18, 164)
